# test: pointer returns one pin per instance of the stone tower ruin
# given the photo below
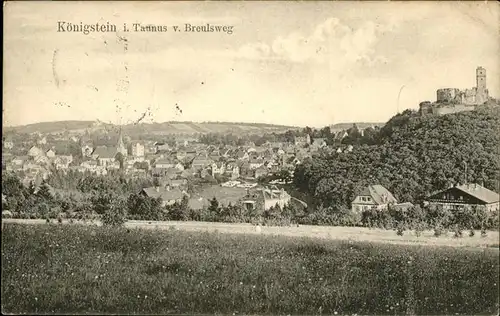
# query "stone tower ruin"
(452, 100)
(481, 90)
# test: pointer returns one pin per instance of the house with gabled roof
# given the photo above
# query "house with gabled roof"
(261, 172)
(318, 143)
(302, 140)
(242, 154)
(201, 162)
(218, 168)
(8, 144)
(255, 163)
(167, 194)
(62, 162)
(465, 195)
(42, 160)
(42, 141)
(373, 197)
(215, 157)
(105, 155)
(232, 167)
(87, 149)
(166, 163)
(51, 153)
(35, 151)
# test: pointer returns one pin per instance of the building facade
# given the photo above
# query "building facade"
(467, 195)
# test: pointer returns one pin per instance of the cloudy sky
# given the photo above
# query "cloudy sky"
(314, 64)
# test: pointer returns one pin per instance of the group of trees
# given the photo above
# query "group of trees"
(413, 156)
(434, 217)
(354, 136)
(87, 182)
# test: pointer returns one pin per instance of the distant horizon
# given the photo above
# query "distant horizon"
(197, 122)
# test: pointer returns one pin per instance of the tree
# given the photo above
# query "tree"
(121, 159)
(102, 201)
(115, 215)
(44, 193)
(214, 208)
(180, 211)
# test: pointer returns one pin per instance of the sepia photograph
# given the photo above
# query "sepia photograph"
(250, 158)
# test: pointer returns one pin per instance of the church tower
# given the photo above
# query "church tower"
(481, 90)
(120, 147)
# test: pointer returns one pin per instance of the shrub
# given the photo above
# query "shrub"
(7, 214)
(419, 228)
(400, 231)
(438, 231)
(472, 233)
(114, 216)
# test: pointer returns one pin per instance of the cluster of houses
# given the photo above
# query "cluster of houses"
(176, 164)
(166, 161)
(453, 198)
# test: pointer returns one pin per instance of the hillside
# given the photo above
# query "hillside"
(169, 128)
(344, 126)
(413, 156)
(165, 128)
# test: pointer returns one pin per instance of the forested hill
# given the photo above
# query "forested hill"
(166, 128)
(412, 157)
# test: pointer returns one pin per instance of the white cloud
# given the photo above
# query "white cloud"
(331, 42)
(254, 51)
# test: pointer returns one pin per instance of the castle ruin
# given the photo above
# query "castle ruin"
(452, 100)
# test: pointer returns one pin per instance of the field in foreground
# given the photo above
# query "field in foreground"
(88, 269)
(324, 232)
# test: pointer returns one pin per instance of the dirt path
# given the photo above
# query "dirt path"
(327, 232)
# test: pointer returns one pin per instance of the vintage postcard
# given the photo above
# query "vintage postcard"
(250, 158)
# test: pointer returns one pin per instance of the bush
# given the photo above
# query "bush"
(419, 228)
(438, 231)
(7, 214)
(114, 216)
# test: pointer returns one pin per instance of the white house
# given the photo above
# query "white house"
(138, 150)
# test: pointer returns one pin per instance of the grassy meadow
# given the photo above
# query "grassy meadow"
(88, 269)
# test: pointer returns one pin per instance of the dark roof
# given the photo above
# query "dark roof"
(105, 152)
(167, 160)
(377, 192)
(201, 161)
(163, 193)
(405, 205)
(479, 192)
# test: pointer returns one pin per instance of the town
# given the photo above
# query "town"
(256, 178)
(249, 158)
(229, 171)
